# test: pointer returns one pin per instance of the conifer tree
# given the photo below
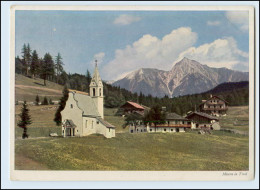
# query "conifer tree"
(45, 101)
(25, 120)
(37, 100)
(35, 64)
(62, 105)
(47, 67)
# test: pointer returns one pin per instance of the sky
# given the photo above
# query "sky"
(124, 41)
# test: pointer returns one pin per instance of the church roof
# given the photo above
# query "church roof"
(96, 77)
(108, 125)
(86, 104)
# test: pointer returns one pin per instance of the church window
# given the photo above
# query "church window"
(86, 123)
(94, 92)
(100, 92)
(71, 105)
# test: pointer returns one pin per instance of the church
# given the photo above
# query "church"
(83, 114)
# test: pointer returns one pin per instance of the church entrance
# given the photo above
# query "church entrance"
(68, 128)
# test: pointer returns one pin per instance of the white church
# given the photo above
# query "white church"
(84, 114)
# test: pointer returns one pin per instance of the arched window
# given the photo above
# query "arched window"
(94, 92)
(99, 91)
(71, 105)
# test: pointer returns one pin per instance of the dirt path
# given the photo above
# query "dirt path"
(39, 88)
(24, 163)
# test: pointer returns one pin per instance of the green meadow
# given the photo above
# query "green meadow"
(174, 151)
(177, 151)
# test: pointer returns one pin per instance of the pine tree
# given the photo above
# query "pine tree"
(25, 120)
(37, 100)
(50, 101)
(45, 101)
(62, 105)
(35, 64)
(47, 67)
(58, 65)
(155, 116)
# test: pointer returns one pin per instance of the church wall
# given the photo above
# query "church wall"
(89, 126)
(72, 112)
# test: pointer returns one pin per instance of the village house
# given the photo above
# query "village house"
(83, 114)
(132, 107)
(214, 106)
(173, 123)
(203, 120)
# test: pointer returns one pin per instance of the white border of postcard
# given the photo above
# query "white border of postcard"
(29, 175)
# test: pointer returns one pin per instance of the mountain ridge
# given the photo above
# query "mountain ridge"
(186, 77)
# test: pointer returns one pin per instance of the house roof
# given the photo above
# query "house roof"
(211, 98)
(86, 104)
(203, 115)
(174, 116)
(108, 125)
(136, 105)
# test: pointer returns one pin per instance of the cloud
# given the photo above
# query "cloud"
(150, 52)
(239, 18)
(126, 19)
(213, 23)
(99, 57)
(220, 53)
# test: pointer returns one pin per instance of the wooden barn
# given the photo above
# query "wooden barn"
(215, 106)
(132, 107)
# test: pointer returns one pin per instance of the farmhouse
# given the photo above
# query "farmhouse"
(200, 120)
(214, 106)
(83, 114)
(132, 107)
(173, 123)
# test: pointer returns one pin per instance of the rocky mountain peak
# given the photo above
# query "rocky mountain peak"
(186, 77)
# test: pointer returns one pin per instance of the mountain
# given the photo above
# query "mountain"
(228, 87)
(186, 77)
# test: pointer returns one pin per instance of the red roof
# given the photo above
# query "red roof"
(135, 105)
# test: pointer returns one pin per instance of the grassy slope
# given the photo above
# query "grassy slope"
(237, 118)
(27, 89)
(178, 151)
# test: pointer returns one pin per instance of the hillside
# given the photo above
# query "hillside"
(27, 88)
(186, 77)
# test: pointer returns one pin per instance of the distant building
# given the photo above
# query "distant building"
(200, 120)
(173, 123)
(214, 106)
(132, 107)
(83, 114)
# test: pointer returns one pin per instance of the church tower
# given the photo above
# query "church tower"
(96, 91)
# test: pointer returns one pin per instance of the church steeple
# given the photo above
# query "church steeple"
(96, 90)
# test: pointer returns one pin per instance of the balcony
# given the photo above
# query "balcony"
(213, 109)
(173, 125)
